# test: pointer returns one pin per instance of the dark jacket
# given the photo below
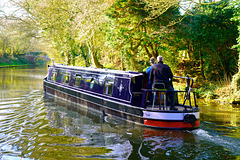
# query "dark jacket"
(161, 73)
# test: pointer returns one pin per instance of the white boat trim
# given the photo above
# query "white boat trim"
(168, 116)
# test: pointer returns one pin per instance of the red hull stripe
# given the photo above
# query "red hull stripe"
(173, 125)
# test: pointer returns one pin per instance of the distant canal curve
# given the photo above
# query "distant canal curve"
(35, 126)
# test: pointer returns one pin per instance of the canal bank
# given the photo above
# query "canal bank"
(31, 58)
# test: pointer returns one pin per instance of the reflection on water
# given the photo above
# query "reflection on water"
(35, 126)
(18, 81)
(221, 114)
(89, 127)
(222, 119)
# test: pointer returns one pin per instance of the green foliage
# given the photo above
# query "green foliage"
(236, 82)
(137, 36)
(17, 60)
(70, 26)
(212, 34)
(17, 37)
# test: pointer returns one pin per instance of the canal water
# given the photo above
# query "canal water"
(35, 126)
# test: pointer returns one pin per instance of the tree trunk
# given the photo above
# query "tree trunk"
(95, 59)
(68, 58)
(147, 51)
(201, 65)
(93, 53)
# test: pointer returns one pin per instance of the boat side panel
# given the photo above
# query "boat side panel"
(123, 112)
(121, 89)
(57, 89)
(137, 83)
(110, 107)
(136, 90)
(137, 99)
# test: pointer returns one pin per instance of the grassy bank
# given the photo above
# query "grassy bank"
(20, 60)
(219, 90)
(222, 91)
(14, 61)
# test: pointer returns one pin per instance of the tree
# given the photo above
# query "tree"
(17, 37)
(135, 30)
(71, 25)
(136, 35)
(212, 34)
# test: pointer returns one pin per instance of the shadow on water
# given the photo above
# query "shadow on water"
(34, 126)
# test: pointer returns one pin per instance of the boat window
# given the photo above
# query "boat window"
(72, 77)
(66, 77)
(101, 79)
(108, 87)
(109, 82)
(54, 75)
(59, 76)
(89, 82)
(92, 82)
(78, 80)
(82, 81)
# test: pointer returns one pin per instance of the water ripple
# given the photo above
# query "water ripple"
(21, 120)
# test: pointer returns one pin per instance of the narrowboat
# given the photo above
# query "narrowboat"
(123, 94)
